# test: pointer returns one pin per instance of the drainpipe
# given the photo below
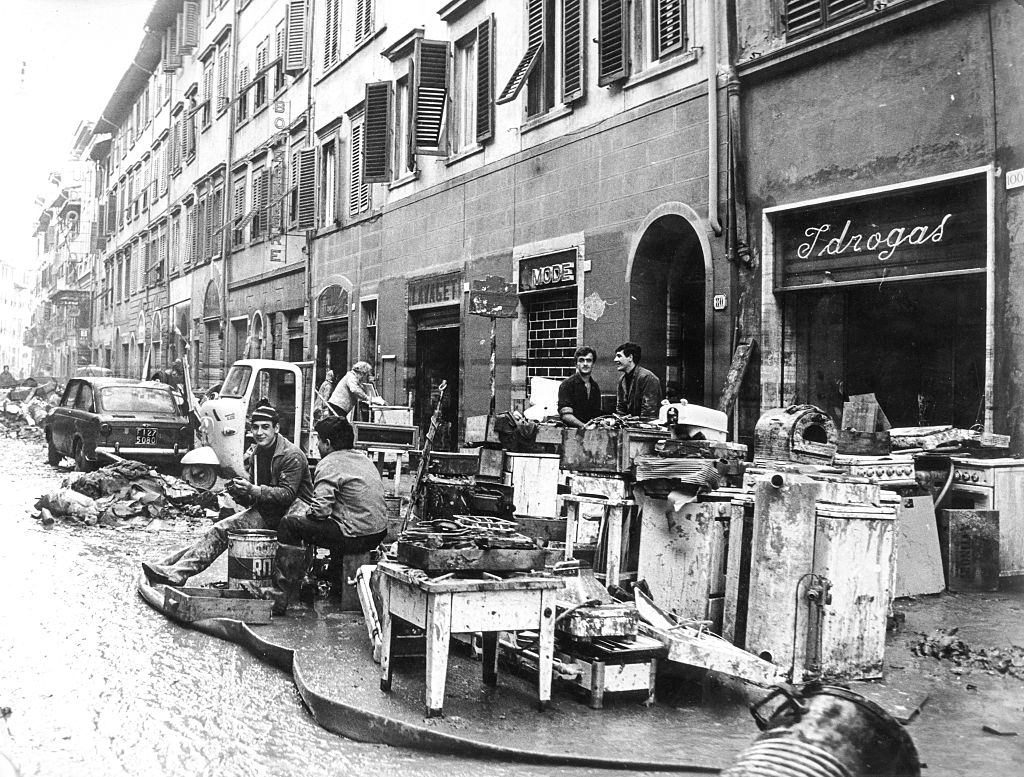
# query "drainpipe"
(310, 235)
(711, 55)
(226, 234)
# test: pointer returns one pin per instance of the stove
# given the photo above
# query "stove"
(994, 484)
(887, 471)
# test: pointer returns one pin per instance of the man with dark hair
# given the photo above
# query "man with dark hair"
(347, 513)
(639, 391)
(278, 476)
(579, 396)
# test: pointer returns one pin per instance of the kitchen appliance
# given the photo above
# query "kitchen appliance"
(994, 484)
(896, 471)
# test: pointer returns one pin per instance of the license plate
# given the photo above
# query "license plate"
(145, 436)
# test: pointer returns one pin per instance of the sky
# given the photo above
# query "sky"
(60, 61)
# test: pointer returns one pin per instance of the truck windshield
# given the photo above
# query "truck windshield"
(237, 381)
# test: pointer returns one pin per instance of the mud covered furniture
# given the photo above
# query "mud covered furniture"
(452, 605)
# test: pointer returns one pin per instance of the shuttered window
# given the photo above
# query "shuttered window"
(429, 96)
(189, 26)
(573, 50)
(669, 27)
(216, 221)
(377, 133)
(464, 93)
(535, 35)
(612, 42)
(242, 108)
(332, 33)
(305, 188)
(806, 15)
(364, 20)
(223, 76)
(358, 190)
(171, 52)
(485, 80)
(262, 60)
(238, 212)
(258, 192)
(295, 24)
(280, 51)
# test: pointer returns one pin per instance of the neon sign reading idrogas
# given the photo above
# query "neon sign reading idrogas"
(846, 242)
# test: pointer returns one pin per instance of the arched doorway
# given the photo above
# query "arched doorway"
(668, 288)
(332, 332)
(211, 360)
(256, 339)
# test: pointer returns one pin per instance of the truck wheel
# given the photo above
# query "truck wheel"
(199, 475)
(53, 456)
(82, 464)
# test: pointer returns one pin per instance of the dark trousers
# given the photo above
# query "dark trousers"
(296, 528)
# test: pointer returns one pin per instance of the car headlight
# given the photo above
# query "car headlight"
(106, 430)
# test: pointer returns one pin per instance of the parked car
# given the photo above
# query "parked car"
(134, 419)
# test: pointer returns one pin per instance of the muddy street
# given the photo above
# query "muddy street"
(99, 684)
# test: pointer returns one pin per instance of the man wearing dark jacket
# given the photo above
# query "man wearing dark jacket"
(639, 392)
(347, 513)
(579, 396)
(278, 476)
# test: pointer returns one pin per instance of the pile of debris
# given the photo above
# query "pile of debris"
(945, 645)
(129, 491)
(23, 408)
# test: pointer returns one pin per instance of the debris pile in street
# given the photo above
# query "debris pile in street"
(22, 410)
(944, 644)
(128, 490)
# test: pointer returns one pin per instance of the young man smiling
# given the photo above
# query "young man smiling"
(579, 396)
(639, 391)
(278, 475)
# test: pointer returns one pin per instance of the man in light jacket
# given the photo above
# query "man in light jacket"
(351, 390)
(347, 513)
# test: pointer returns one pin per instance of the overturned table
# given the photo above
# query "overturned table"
(455, 605)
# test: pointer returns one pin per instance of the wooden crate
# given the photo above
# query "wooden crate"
(607, 450)
(608, 486)
(534, 480)
(196, 604)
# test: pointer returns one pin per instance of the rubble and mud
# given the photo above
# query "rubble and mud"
(129, 491)
(945, 645)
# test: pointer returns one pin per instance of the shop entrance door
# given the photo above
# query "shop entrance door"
(437, 359)
(332, 350)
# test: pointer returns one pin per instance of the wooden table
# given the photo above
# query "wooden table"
(451, 605)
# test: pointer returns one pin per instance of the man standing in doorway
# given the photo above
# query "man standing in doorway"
(278, 475)
(579, 396)
(639, 392)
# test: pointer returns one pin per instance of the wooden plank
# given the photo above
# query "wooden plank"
(918, 558)
(1009, 501)
(737, 370)
(534, 479)
(193, 604)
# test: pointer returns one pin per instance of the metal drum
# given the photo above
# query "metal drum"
(251, 554)
(799, 433)
(826, 731)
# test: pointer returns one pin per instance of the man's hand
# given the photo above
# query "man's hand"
(242, 490)
(376, 400)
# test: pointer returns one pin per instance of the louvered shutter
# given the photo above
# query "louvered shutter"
(377, 133)
(207, 227)
(112, 212)
(295, 22)
(264, 201)
(306, 177)
(670, 28)
(429, 96)
(485, 80)
(573, 51)
(190, 26)
(535, 22)
(163, 254)
(332, 23)
(612, 42)
(222, 80)
(172, 54)
(166, 167)
(238, 212)
(803, 15)
(364, 19)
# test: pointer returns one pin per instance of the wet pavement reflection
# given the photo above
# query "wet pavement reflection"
(100, 684)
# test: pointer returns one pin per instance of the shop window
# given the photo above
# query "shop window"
(551, 335)
(803, 16)
(369, 319)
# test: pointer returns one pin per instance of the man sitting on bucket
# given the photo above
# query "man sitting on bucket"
(347, 513)
(278, 476)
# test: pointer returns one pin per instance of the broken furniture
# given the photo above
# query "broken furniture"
(534, 478)
(453, 605)
(612, 525)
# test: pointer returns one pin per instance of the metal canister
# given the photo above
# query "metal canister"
(826, 731)
(251, 554)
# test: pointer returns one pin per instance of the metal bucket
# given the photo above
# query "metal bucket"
(251, 554)
(826, 731)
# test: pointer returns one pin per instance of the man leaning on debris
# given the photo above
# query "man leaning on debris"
(579, 396)
(639, 391)
(348, 514)
(278, 476)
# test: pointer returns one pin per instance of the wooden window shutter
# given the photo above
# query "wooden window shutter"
(222, 80)
(208, 227)
(803, 15)
(364, 19)
(534, 47)
(264, 201)
(377, 133)
(485, 80)
(838, 8)
(331, 24)
(190, 26)
(306, 217)
(295, 23)
(612, 42)
(171, 54)
(574, 50)
(238, 212)
(429, 96)
(112, 212)
(671, 26)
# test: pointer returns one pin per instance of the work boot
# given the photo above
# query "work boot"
(193, 560)
(291, 564)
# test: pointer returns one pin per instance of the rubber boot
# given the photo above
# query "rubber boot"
(291, 564)
(193, 560)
